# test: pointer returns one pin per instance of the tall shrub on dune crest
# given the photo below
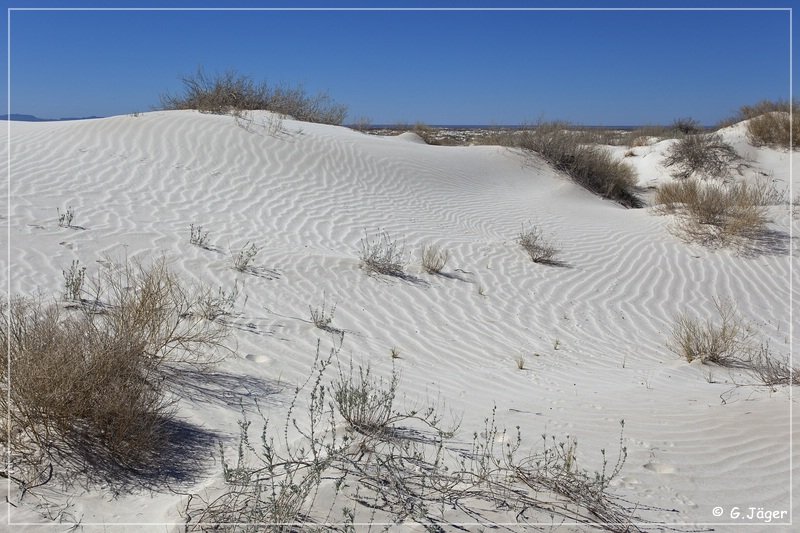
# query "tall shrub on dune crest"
(233, 93)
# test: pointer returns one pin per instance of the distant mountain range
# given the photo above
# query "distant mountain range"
(31, 118)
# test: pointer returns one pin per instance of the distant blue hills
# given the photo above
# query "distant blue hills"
(31, 118)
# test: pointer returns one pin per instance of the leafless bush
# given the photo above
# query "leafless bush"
(322, 317)
(592, 167)
(686, 126)
(539, 248)
(74, 278)
(65, 218)
(197, 236)
(211, 306)
(703, 155)
(382, 255)
(433, 258)
(229, 92)
(714, 213)
(770, 370)
(400, 466)
(243, 259)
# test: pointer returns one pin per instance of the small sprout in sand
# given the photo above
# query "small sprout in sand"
(197, 236)
(73, 281)
(242, 260)
(395, 352)
(521, 363)
(65, 218)
(556, 344)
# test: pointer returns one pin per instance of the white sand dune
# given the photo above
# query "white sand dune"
(592, 332)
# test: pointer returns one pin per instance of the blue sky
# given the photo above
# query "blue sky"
(444, 67)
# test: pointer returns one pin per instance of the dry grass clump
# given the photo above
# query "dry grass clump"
(382, 255)
(728, 341)
(719, 342)
(231, 92)
(539, 248)
(770, 123)
(703, 155)
(86, 383)
(322, 317)
(591, 166)
(433, 258)
(714, 213)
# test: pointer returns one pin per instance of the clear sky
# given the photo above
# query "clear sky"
(441, 67)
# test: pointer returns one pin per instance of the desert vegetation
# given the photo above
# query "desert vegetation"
(703, 155)
(234, 93)
(400, 465)
(538, 247)
(85, 386)
(770, 123)
(433, 258)
(591, 166)
(382, 255)
(714, 212)
(728, 341)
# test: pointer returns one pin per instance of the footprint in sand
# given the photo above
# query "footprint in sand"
(257, 358)
(660, 468)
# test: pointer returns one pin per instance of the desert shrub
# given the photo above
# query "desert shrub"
(382, 255)
(402, 467)
(322, 317)
(65, 218)
(539, 248)
(592, 167)
(197, 236)
(714, 213)
(686, 126)
(243, 259)
(85, 386)
(770, 370)
(770, 123)
(433, 258)
(232, 92)
(213, 306)
(704, 155)
(720, 341)
(74, 278)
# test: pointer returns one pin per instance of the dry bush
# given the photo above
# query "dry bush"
(433, 258)
(714, 213)
(397, 466)
(643, 136)
(539, 248)
(382, 255)
(592, 167)
(769, 370)
(86, 384)
(721, 342)
(686, 126)
(322, 317)
(231, 92)
(770, 123)
(704, 155)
